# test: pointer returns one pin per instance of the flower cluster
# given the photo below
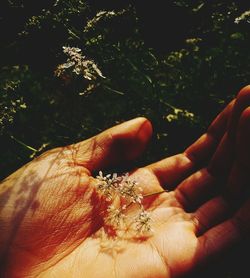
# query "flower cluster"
(79, 64)
(143, 222)
(179, 113)
(245, 17)
(121, 192)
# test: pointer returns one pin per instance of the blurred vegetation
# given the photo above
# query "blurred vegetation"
(175, 62)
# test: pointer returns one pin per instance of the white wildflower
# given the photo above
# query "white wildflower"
(243, 17)
(122, 191)
(143, 222)
(107, 185)
(116, 217)
(79, 64)
(129, 190)
(104, 186)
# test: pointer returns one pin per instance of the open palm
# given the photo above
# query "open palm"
(52, 217)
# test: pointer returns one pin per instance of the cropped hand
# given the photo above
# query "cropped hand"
(52, 216)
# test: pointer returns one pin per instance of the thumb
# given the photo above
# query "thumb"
(115, 146)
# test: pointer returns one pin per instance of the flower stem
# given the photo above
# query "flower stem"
(149, 195)
(154, 193)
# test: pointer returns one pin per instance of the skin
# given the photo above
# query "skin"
(51, 216)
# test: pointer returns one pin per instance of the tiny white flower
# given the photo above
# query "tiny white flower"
(130, 191)
(115, 216)
(143, 222)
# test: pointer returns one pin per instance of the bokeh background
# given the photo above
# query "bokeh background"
(72, 68)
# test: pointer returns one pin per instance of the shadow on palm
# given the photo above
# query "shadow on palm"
(58, 219)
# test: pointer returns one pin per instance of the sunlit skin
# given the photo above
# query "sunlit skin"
(51, 215)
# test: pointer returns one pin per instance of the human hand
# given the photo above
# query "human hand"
(51, 214)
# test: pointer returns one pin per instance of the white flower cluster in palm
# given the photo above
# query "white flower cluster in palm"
(78, 64)
(121, 192)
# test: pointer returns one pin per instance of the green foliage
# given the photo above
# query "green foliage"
(11, 102)
(179, 90)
